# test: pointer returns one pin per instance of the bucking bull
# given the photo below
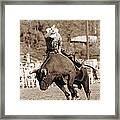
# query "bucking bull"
(60, 69)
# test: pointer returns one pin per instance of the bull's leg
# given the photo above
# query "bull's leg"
(61, 86)
(78, 83)
(85, 84)
(71, 88)
(76, 94)
(72, 91)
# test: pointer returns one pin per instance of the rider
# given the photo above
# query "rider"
(57, 39)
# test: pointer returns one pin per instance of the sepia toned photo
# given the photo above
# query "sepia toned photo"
(59, 59)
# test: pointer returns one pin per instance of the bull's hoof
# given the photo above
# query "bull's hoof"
(77, 96)
(88, 98)
(68, 97)
(88, 95)
(73, 98)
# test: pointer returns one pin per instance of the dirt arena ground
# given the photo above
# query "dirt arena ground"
(54, 93)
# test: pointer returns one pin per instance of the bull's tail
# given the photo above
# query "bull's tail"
(94, 71)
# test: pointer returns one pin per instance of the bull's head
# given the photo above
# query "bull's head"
(44, 79)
